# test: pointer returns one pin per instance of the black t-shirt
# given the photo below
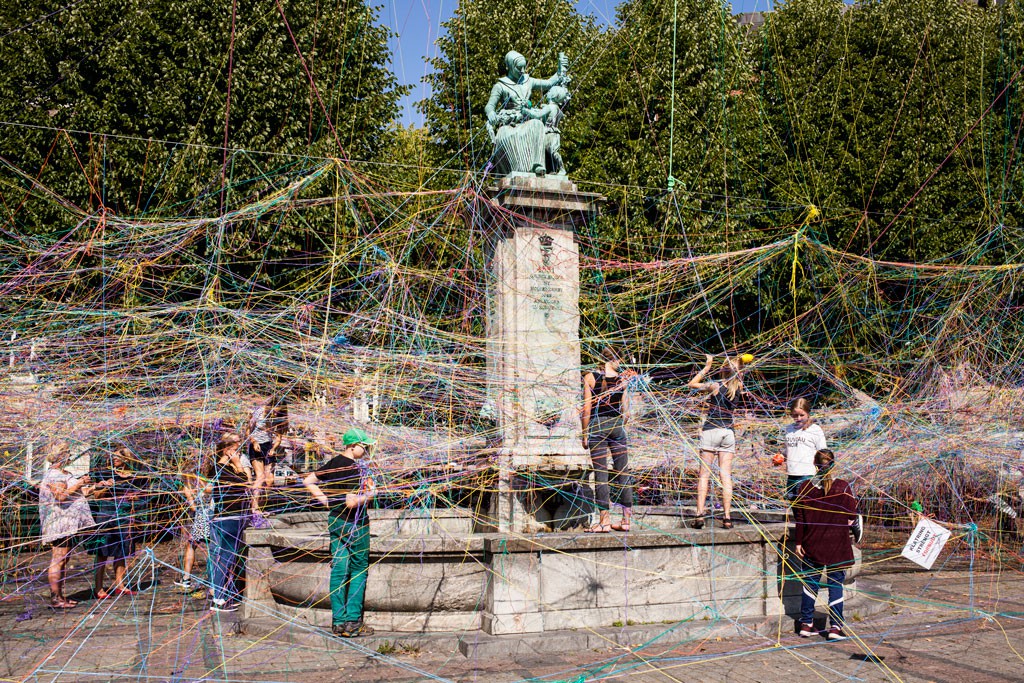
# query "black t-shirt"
(720, 410)
(607, 396)
(115, 501)
(339, 477)
(230, 491)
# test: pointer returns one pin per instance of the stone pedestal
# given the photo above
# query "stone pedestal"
(428, 573)
(533, 345)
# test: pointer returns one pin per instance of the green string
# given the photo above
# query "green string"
(672, 105)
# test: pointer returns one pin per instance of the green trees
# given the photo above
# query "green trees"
(853, 109)
(899, 121)
(880, 115)
(150, 91)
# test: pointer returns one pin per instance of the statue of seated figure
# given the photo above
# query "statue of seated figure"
(519, 139)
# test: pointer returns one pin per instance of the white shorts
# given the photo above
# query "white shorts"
(718, 440)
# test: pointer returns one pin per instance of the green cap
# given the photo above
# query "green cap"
(356, 435)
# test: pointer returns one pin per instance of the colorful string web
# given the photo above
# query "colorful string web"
(123, 331)
(939, 426)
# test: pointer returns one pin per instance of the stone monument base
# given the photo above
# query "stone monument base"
(429, 573)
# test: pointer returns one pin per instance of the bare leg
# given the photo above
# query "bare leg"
(190, 559)
(725, 464)
(257, 486)
(64, 572)
(268, 479)
(101, 569)
(703, 481)
(627, 517)
(55, 572)
(119, 571)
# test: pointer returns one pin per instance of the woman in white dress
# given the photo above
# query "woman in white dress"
(63, 514)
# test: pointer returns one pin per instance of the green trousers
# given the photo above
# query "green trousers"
(350, 553)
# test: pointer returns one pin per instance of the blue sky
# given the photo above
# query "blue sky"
(418, 24)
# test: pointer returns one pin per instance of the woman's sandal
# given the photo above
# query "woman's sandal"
(726, 523)
(62, 603)
(101, 595)
(698, 522)
(599, 529)
(621, 526)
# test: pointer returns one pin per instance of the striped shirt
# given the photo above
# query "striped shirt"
(258, 426)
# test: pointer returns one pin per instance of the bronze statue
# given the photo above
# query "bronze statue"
(521, 133)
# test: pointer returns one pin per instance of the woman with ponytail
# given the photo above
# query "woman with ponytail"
(605, 408)
(717, 438)
(228, 488)
(824, 509)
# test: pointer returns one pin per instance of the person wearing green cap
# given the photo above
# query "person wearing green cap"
(341, 486)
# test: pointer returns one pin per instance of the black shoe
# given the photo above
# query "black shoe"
(340, 629)
(697, 522)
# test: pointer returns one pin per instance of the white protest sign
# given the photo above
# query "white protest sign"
(925, 543)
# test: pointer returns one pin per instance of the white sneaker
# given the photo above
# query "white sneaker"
(185, 585)
(223, 606)
(807, 630)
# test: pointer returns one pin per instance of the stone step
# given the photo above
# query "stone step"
(867, 597)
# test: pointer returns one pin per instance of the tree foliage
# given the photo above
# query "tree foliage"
(884, 114)
(124, 107)
(889, 129)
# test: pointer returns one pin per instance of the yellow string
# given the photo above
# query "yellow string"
(812, 213)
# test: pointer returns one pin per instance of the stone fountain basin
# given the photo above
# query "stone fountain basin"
(447, 580)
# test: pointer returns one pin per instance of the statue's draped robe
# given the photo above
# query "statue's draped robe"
(518, 146)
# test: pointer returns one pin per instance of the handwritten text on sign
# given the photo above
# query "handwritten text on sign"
(925, 543)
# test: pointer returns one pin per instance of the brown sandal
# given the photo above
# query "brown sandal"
(726, 523)
(62, 603)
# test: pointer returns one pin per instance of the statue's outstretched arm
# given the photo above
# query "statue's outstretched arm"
(557, 78)
(548, 83)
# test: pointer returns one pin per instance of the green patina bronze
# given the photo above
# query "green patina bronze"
(527, 138)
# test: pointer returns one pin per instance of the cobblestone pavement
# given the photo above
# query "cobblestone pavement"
(950, 626)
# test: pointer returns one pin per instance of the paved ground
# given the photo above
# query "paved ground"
(949, 626)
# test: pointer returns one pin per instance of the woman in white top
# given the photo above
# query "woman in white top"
(803, 439)
(63, 513)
